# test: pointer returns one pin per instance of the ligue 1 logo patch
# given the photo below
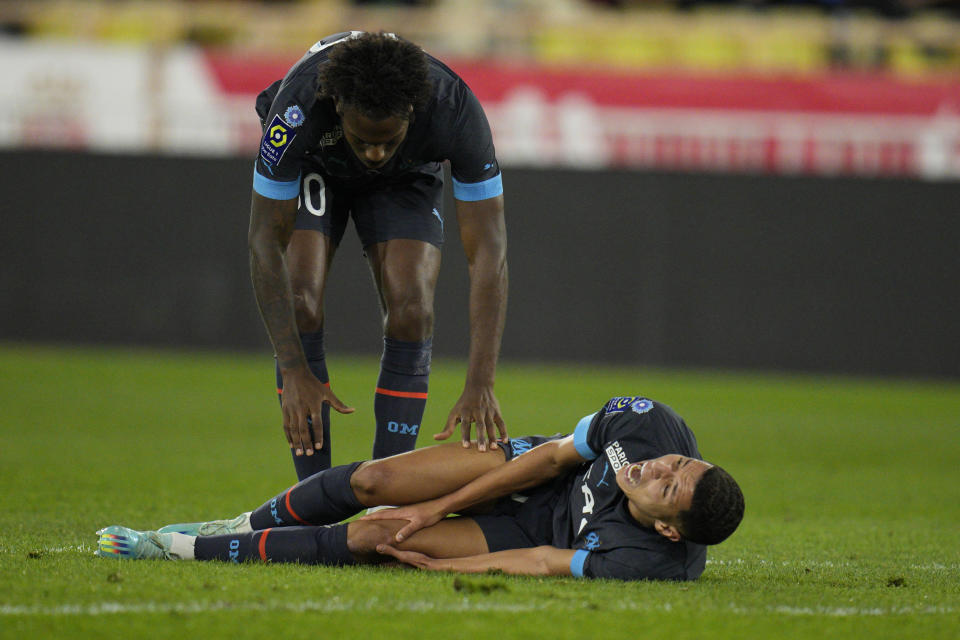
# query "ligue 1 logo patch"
(276, 138)
(294, 116)
(634, 403)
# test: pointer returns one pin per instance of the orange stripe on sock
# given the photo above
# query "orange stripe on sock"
(280, 389)
(290, 510)
(401, 394)
(262, 546)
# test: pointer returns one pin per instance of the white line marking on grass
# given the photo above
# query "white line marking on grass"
(828, 564)
(330, 606)
(843, 612)
(466, 605)
(79, 548)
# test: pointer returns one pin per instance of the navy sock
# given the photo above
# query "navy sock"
(323, 498)
(305, 545)
(306, 466)
(401, 395)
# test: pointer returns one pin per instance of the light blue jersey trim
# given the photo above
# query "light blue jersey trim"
(577, 561)
(580, 438)
(274, 189)
(473, 191)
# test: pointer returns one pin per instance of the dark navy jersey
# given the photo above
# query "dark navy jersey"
(302, 131)
(594, 518)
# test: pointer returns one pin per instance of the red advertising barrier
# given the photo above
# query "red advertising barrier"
(862, 124)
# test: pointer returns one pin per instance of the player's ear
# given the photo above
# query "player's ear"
(668, 531)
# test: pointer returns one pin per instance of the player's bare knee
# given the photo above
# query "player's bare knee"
(364, 536)
(411, 321)
(369, 480)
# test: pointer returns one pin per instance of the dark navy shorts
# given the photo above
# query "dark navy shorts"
(524, 519)
(406, 207)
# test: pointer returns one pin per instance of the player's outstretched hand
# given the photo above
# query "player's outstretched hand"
(303, 397)
(477, 405)
(412, 558)
(418, 516)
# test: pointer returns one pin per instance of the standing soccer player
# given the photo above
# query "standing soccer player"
(359, 127)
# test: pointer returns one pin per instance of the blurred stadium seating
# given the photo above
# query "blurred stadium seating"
(816, 87)
(796, 36)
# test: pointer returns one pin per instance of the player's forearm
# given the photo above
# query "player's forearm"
(483, 234)
(536, 561)
(275, 301)
(528, 470)
(488, 311)
(271, 285)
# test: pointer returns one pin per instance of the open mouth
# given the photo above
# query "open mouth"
(635, 472)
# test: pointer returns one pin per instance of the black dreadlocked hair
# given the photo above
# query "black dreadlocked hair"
(716, 509)
(377, 74)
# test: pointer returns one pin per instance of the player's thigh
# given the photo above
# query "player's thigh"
(309, 255)
(401, 229)
(405, 272)
(449, 538)
(319, 226)
(421, 474)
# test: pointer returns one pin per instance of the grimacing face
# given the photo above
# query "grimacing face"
(659, 489)
(373, 141)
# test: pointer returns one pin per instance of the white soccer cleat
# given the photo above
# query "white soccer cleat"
(240, 524)
(122, 543)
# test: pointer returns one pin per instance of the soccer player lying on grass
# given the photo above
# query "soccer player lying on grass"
(625, 496)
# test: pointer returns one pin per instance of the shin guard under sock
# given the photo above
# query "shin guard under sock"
(401, 395)
(304, 545)
(323, 498)
(305, 465)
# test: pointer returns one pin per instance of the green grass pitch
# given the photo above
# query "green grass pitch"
(852, 486)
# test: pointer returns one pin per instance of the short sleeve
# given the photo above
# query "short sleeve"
(474, 169)
(577, 561)
(580, 434)
(620, 417)
(283, 143)
(628, 563)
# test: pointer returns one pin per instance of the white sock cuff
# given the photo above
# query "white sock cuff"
(244, 526)
(181, 546)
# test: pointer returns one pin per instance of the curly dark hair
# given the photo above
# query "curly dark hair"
(377, 74)
(716, 509)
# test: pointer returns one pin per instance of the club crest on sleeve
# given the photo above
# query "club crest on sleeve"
(293, 116)
(591, 541)
(636, 404)
(276, 139)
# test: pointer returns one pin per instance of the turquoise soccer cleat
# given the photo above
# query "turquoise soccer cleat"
(126, 544)
(240, 524)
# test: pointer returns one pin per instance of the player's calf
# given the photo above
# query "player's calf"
(323, 498)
